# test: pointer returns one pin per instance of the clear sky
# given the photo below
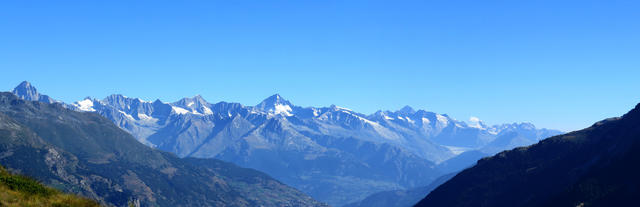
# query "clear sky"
(557, 64)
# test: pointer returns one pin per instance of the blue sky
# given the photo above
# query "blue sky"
(557, 64)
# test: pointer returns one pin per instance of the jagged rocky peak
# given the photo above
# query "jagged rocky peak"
(131, 106)
(196, 105)
(406, 110)
(157, 101)
(273, 100)
(476, 122)
(27, 91)
(195, 101)
(275, 104)
(117, 100)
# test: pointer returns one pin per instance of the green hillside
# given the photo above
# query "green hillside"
(17, 190)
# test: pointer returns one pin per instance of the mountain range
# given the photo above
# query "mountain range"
(334, 154)
(595, 166)
(87, 154)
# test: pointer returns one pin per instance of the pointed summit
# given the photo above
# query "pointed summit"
(476, 122)
(25, 85)
(406, 110)
(195, 105)
(275, 104)
(188, 102)
(27, 92)
(198, 98)
(273, 100)
(118, 101)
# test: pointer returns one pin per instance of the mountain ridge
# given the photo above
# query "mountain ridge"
(86, 153)
(415, 141)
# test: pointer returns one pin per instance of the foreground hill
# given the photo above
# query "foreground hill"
(597, 166)
(87, 154)
(17, 190)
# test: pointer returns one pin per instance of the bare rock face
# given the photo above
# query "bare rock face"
(27, 92)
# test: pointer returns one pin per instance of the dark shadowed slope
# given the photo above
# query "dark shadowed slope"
(87, 154)
(597, 166)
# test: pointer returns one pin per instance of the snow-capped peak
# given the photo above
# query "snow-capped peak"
(273, 100)
(475, 122)
(195, 105)
(275, 104)
(85, 105)
(282, 109)
(339, 108)
(179, 110)
(443, 120)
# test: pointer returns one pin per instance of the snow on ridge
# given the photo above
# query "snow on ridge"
(190, 104)
(146, 117)
(342, 108)
(85, 105)
(207, 110)
(143, 116)
(409, 120)
(474, 122)
(442, 119)
(366, 120)
(456, 150)
(379, 128)
(179, 110)
(143, 101)
(126, 115)
(282, 109)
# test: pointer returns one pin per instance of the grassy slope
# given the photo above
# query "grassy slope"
(17, 190)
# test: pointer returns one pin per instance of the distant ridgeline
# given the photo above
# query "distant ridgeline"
(334, 154)
(596, 166)
(86, 154)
